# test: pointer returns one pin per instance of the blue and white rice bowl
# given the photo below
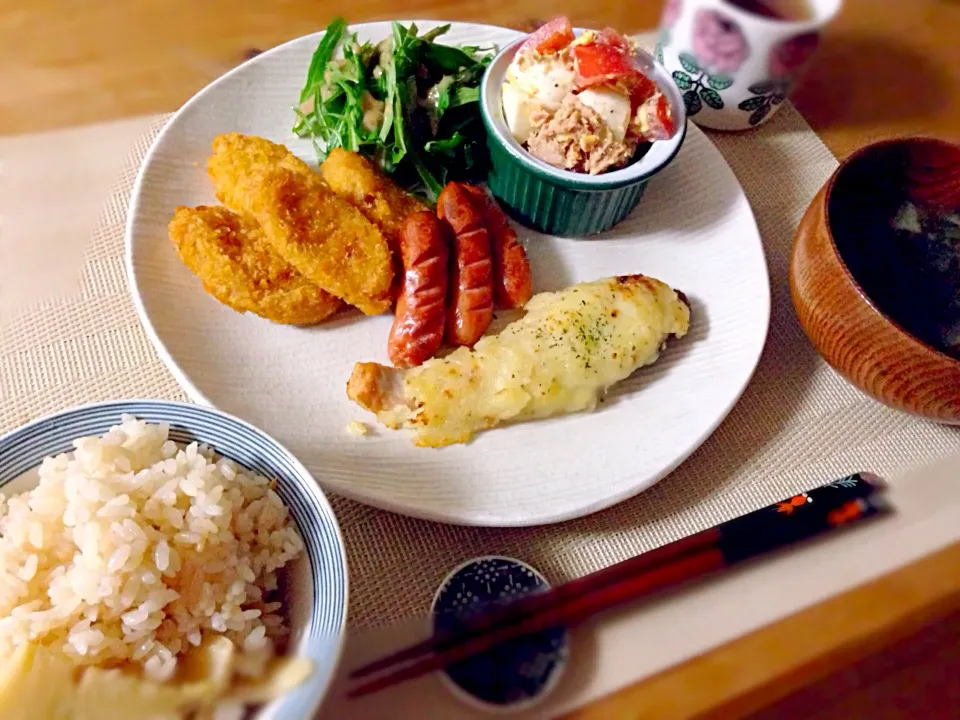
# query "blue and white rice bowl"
(316, 580)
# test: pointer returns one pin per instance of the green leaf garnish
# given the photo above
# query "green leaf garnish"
(445, 147)
(322, 55)
(408, 103)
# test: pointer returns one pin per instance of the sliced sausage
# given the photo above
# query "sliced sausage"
(421, 308)
(471, 275)
(512, 283)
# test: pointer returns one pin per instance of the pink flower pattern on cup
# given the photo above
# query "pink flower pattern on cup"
(786, 59)
(719, 50)
(789, 56)
(718, 42)
(723, 59)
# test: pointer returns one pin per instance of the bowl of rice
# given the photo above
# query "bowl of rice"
(171, 547)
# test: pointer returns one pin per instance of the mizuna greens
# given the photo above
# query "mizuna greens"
(408, 103)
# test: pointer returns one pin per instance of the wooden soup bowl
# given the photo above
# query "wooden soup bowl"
(844, 244)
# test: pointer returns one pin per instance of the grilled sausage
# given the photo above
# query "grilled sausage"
(471, 276)
(512, 284)
(418, 327)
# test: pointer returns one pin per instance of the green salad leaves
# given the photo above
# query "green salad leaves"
(408, 103)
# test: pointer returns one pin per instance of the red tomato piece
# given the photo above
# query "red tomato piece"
(598, 64)
(601, 64)
(665, 116)
(643, 89)
(549, 38)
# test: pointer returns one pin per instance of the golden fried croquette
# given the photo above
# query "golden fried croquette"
(322, 235)
(236, 156)
(325, 238)
(360, 182)
(235, 263)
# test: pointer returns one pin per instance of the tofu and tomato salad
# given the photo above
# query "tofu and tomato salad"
(582, 103)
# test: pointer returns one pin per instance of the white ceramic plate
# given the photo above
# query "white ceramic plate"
(693, 229)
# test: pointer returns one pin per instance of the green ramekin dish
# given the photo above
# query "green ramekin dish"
(561, 202)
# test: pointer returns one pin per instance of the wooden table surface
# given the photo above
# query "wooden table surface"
(887, 67)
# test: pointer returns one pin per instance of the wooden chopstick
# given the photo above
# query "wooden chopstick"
(840, 503)
(519, 609)
(567, 614)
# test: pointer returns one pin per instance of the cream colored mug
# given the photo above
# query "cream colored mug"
(735, 66)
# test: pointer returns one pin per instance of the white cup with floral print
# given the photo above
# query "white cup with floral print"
(735, 67)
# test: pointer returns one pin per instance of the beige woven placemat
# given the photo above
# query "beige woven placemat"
(797, 424)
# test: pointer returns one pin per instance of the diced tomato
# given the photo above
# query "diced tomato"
(642, 89)
(601, 64)
(665, 116)
(549, 38)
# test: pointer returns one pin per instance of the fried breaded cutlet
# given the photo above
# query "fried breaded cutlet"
(359, 181)
(236, 157)
(235, 263)
(322, 235)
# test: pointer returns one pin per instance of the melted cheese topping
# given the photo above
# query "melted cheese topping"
(559, 358)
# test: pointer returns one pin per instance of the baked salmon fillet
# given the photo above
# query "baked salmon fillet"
(323, 236)
(237, 266)
(561, 357)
